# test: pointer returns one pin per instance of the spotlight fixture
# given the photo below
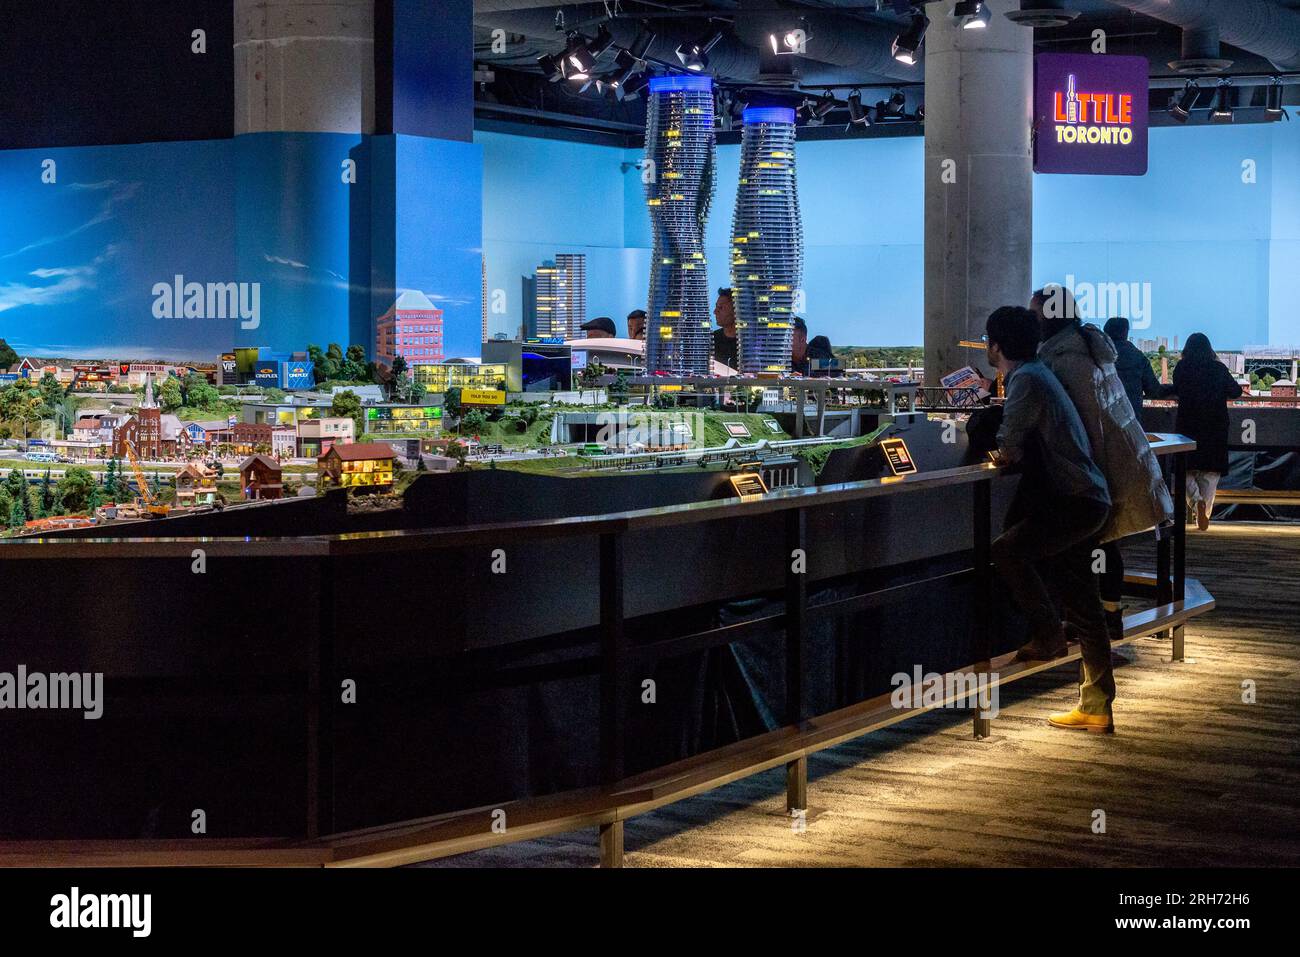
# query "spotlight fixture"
(1181, 106)
(583, 53)
(552, 67)
(695, 55)
(632, 88)
(824, 105)
(792, 41)
(971, 14)
(631, 61)
(1222, 111)
(1273, 109)
(628, 66)
(907, 45)
(857, 115)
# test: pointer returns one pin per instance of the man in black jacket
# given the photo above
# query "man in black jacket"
(1133, 368)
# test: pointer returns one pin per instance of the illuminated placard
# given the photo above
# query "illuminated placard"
(1090, 114)
(748, 485)
(898, 457)
(482, 397)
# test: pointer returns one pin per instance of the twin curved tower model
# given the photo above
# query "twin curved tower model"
(679, 146)
(766, 242)
(766, 236)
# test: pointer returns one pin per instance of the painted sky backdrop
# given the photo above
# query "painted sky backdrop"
(80, 257)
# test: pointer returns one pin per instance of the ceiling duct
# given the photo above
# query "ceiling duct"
(1200, 56)
(1042, 14)
(1257, 26)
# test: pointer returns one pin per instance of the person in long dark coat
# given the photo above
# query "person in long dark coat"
(1204, 387)
(1132, 367)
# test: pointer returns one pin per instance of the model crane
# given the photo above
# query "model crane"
(153, 507)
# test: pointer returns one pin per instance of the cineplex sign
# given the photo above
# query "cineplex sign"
(1090, 114)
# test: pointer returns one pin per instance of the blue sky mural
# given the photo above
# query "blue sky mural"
(85, 258)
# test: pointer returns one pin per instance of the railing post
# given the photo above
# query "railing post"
(320, 708)
(1180, 527)
(796, 636)
(983, 584)
(613, 686)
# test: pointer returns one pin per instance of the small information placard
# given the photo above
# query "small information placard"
(898, 457)
(748, 485)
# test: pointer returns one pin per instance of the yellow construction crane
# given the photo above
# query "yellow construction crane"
(153, 507)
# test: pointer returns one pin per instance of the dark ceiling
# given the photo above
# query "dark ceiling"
(849, 47)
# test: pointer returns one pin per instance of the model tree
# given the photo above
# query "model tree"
(77, 488)
(170, 395)
(347, 404)
(7, 355)
(111, 488)
(353, 367)
(51, 395)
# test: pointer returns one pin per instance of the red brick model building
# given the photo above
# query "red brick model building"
(261, 477)
(143, 430)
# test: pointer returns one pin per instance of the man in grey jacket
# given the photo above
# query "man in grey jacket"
(1052, 526)
(1083, 359)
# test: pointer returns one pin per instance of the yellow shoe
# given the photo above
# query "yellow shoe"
(1076, 720)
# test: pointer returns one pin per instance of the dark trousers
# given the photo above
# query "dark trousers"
(1053, 538)
(1112, 579)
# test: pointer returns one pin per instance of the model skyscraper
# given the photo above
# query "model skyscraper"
(766, 242)
(679, 189)
(560, 299)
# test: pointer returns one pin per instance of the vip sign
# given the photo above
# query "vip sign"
(1090, 114)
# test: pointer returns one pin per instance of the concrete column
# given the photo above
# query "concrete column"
(978, 181)
(304, 66)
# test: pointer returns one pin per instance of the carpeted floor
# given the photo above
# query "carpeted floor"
(1193, 777)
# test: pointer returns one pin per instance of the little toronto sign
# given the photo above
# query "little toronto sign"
(1090, 114)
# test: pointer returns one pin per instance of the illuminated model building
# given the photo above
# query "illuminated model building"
(766, 242)
(364, 465)
(561, 296)
(679, 188)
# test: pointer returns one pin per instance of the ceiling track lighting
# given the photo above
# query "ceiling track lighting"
(695, 55)
(1222, 111)
(1180, 108)
(1273, 106)
(907, 45)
